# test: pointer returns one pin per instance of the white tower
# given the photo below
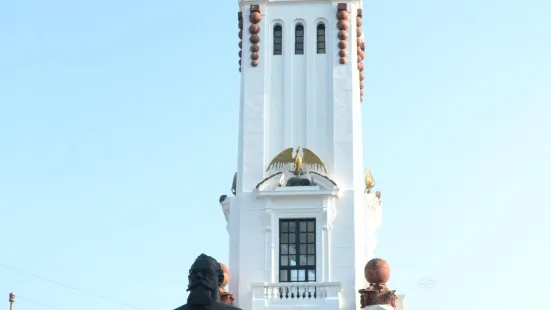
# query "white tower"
(301, 86)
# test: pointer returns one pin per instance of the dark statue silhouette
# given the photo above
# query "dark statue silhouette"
(205, 277)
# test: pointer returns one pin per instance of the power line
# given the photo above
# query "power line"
(109, 299)
(38, 303)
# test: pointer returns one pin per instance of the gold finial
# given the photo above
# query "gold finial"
(12, 300)
(369, 181)
(308, 158)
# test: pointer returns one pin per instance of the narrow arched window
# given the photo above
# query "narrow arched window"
(321, 38)
(278, 40)
(299, 39)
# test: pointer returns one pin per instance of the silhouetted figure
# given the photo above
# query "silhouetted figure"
(205, 277)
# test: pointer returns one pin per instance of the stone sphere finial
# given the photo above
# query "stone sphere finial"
(377, 271)
(226, 271)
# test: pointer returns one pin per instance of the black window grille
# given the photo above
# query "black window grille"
(299, 39)
(278, 40)
(297, 250)
(321, 39)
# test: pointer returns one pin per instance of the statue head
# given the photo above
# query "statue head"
(205, 277)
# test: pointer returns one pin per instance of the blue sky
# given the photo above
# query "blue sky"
(118, 132)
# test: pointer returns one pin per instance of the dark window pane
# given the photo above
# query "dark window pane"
(292, 249)
(284, 227)
(321, 32)
(303, 249)
(284, 238)
(311, 260)
(312, 275)
(321, 51)
(302, 275)
(292, 260)
(284, 260)
(284, 249)
(278, 34)
(292, 227)
(294, 275)
(299, 40)
(299, 52)
(303, 238)
(302, 260)
(311, 249)
(321, 45)
(302, 226)
(292, 238)
(311, 226)
(283, 276)
(311, 237)
(299, 33)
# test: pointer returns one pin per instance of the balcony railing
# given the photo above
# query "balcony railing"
(296, 291)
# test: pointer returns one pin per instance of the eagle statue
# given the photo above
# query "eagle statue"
(307, 158)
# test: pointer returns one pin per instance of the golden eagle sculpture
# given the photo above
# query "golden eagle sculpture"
(308, 158)
(369, 181)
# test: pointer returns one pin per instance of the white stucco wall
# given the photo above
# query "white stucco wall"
(310, 101)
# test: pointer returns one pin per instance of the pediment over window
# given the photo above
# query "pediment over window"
(309, 184)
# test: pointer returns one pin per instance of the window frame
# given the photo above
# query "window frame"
(284, 243)
(321, 39)
(277, 49)
(300, 27)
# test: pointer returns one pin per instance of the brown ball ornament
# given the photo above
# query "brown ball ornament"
(377, 271)
(255, 17)
(255, 48)
(255, 39)
(343, 53)
(342, 15)
(254, 29)
(254, 63)
(254, 56)
(342, 60)
(343, 35)
(342, 25)
(342, 44)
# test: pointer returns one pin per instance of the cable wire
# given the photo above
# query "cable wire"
(109, 299)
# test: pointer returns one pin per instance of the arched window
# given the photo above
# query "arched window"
(321, 38)
(278, 40)
(299, 39)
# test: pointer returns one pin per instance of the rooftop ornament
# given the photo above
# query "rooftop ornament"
(299, 162)
(225, 296)
(377, 295)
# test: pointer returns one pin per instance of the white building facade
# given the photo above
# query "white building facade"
(301, 84)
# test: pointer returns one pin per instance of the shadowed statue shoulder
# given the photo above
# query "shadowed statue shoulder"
(215, 306)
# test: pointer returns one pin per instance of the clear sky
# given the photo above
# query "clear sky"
(118, 133)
